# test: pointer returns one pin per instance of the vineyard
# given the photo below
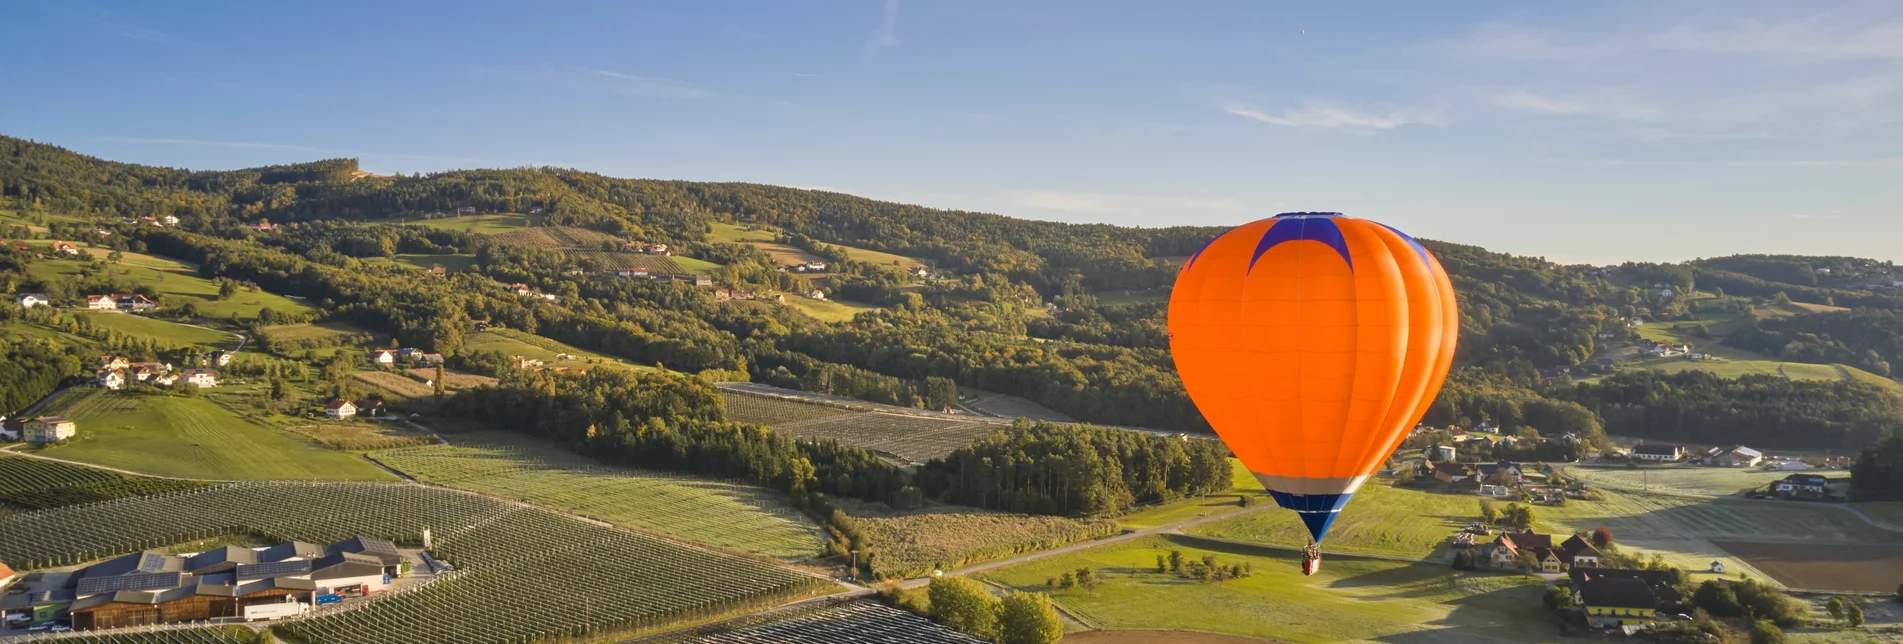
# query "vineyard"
(911, 544)
(556, 237)
(36, 484)
(916, 437)
(731, 516)
(656, 264)
(522, 574)
(863, 621)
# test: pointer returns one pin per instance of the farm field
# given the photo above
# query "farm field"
(1693, 480)
(762, 237)
(615, 260)
(609, 581)
(745, 408)
(1736, 368)
(165, 332)
(454, 380)
(910, 544)
(170, 435)
(395, 386)
(736, 233)
(455, 263)
(1887, 512)
(1349, 600)
(478, 224)
(516, 343)
(556, 237)
(325, 338)
(912, 438)
(862, 622)
(1009, 406)
(361, 435)
(1866, 568)
(736, 517)
(35, 484)
(695, 265)
(175, 283)
(827, 310)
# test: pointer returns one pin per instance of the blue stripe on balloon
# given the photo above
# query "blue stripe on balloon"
(1298, 228)
(1418, 248)
(1318, 511)
(1199, 252)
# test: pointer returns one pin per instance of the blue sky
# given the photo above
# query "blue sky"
(1584, 132)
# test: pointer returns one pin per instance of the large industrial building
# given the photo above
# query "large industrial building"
(153, 587)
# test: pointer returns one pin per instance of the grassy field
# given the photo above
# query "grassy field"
(162, 331)
(1349, 600)
(1380, 520)
(1694, 480)
(1887, 512)
(479, 224)
(1187, 509)
(453, 263)
(694, 265)
(175, 283)
(516, 343)
(193, 438)
(394, 386)
(726, 515)
(362, 435)
(828, 310)
(735, 233)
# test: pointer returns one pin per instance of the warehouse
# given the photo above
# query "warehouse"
(153, 587)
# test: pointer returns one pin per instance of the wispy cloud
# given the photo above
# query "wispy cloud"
(598, 81)
(1602, 103)
(259, 145)
(887, 35)
(1331, 116)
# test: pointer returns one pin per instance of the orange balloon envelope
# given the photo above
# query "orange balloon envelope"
(1312, 343)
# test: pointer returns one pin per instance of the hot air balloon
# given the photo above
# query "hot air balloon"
(1312, 342)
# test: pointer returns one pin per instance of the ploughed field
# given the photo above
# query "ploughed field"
(1870, 568)
(912, 436)
(522, 574)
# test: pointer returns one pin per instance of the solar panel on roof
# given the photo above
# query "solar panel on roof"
(274, 569)
(136, 581)
(152, 562)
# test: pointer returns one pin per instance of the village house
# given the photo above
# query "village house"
(369, 407)
(1657, 452)
(1802, 486)
(1737, 456)
(631, 273)
(134, 302)
(438, 270)
(1574, 552)
(519, 288)
(408, 354)
(921, 272)
(30, 300)
(169, 220)
(383, 357)
(201, 377)
(113, 362)
(48, 429)
(1612, 597)
(67, 248)
(430, 359)
(658, 249)
(109, 378)
(704, 280)
(1787, 465)
(219, 358)
(101, 303)
(165, 379)
(340, 409)
(810, 267)
(146, 371)
(817, 294)
(1444, 453)
(263, 226)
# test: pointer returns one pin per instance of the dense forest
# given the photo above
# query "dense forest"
(1032, 308)
(1071, 469)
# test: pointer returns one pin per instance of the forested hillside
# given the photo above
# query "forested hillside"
(1067, 315)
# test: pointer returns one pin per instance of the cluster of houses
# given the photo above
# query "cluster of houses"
(646, 248)
(393, 357)
(1669, 349)
(39, 430)
(1506, 551)
(115, 372)
(167, 220)
(1497, 479)
(1608, 597)
(341, 409)
(814, 266)
(130, 302)
(1733, 456)
(525, 291)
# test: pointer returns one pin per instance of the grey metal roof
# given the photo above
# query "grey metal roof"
(383, 550)
(287, 583)
(134, 581)
(291, 549)
(274, 569)
(221, 559)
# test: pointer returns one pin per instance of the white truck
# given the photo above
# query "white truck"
(275, 610)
